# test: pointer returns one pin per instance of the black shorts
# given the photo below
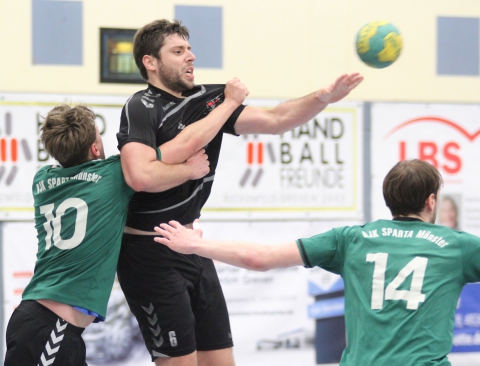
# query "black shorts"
(36, 336)
(176, 298)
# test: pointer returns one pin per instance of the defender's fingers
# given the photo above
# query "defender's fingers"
(161, 240)
(196, 224)
(163, 230)
(175, 224)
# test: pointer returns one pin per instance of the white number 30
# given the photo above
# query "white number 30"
(55, 222)
(414, 296)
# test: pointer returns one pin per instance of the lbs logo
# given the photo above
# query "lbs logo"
(447, 154)
(11, 148)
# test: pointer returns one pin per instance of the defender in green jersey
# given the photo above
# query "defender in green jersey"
(80, 212)
(403, 277)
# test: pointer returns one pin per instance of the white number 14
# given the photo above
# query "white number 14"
(414, 296)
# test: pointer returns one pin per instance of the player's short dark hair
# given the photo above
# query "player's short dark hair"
(408, 185)
(150, 38)
(68, 132)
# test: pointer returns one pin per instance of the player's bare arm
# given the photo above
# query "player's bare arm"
(196, 135)
(286, 116)
(143, 172)
(251, 256)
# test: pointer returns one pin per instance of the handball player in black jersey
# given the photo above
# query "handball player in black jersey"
(177, 299)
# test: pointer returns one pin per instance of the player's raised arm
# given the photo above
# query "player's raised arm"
(196, 135)
(251, 256)
(288, 115)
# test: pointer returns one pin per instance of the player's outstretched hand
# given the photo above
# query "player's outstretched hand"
(178, 238)
(198, 164)
(236, 90)
(340, 88)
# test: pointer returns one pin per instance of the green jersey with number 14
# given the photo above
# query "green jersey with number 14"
(402, 281)
(80, 214)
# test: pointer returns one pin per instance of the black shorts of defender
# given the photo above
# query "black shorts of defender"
(177, 299)
(38, 337)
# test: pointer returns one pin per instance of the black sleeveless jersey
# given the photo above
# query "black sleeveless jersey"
(153, 117)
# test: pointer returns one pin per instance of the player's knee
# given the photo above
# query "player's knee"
(187, 360)
(219, 357)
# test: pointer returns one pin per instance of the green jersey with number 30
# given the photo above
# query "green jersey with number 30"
(402, 281)
(80, 214)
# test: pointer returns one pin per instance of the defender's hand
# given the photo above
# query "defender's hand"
(177, 237)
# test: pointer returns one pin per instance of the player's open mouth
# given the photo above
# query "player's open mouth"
(189, 72)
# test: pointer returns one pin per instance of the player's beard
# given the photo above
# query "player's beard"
(172, 79)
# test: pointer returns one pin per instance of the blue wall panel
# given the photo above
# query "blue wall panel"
(57, 32)
(206, 33)
(458, 46)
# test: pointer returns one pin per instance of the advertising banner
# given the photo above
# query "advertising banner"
(18, 261)
(466, 336)
(311, 172)
(21, 151)
(446, 135)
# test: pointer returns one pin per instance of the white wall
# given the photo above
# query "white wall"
(280, 49)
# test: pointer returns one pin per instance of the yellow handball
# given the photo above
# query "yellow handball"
(379, 44)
